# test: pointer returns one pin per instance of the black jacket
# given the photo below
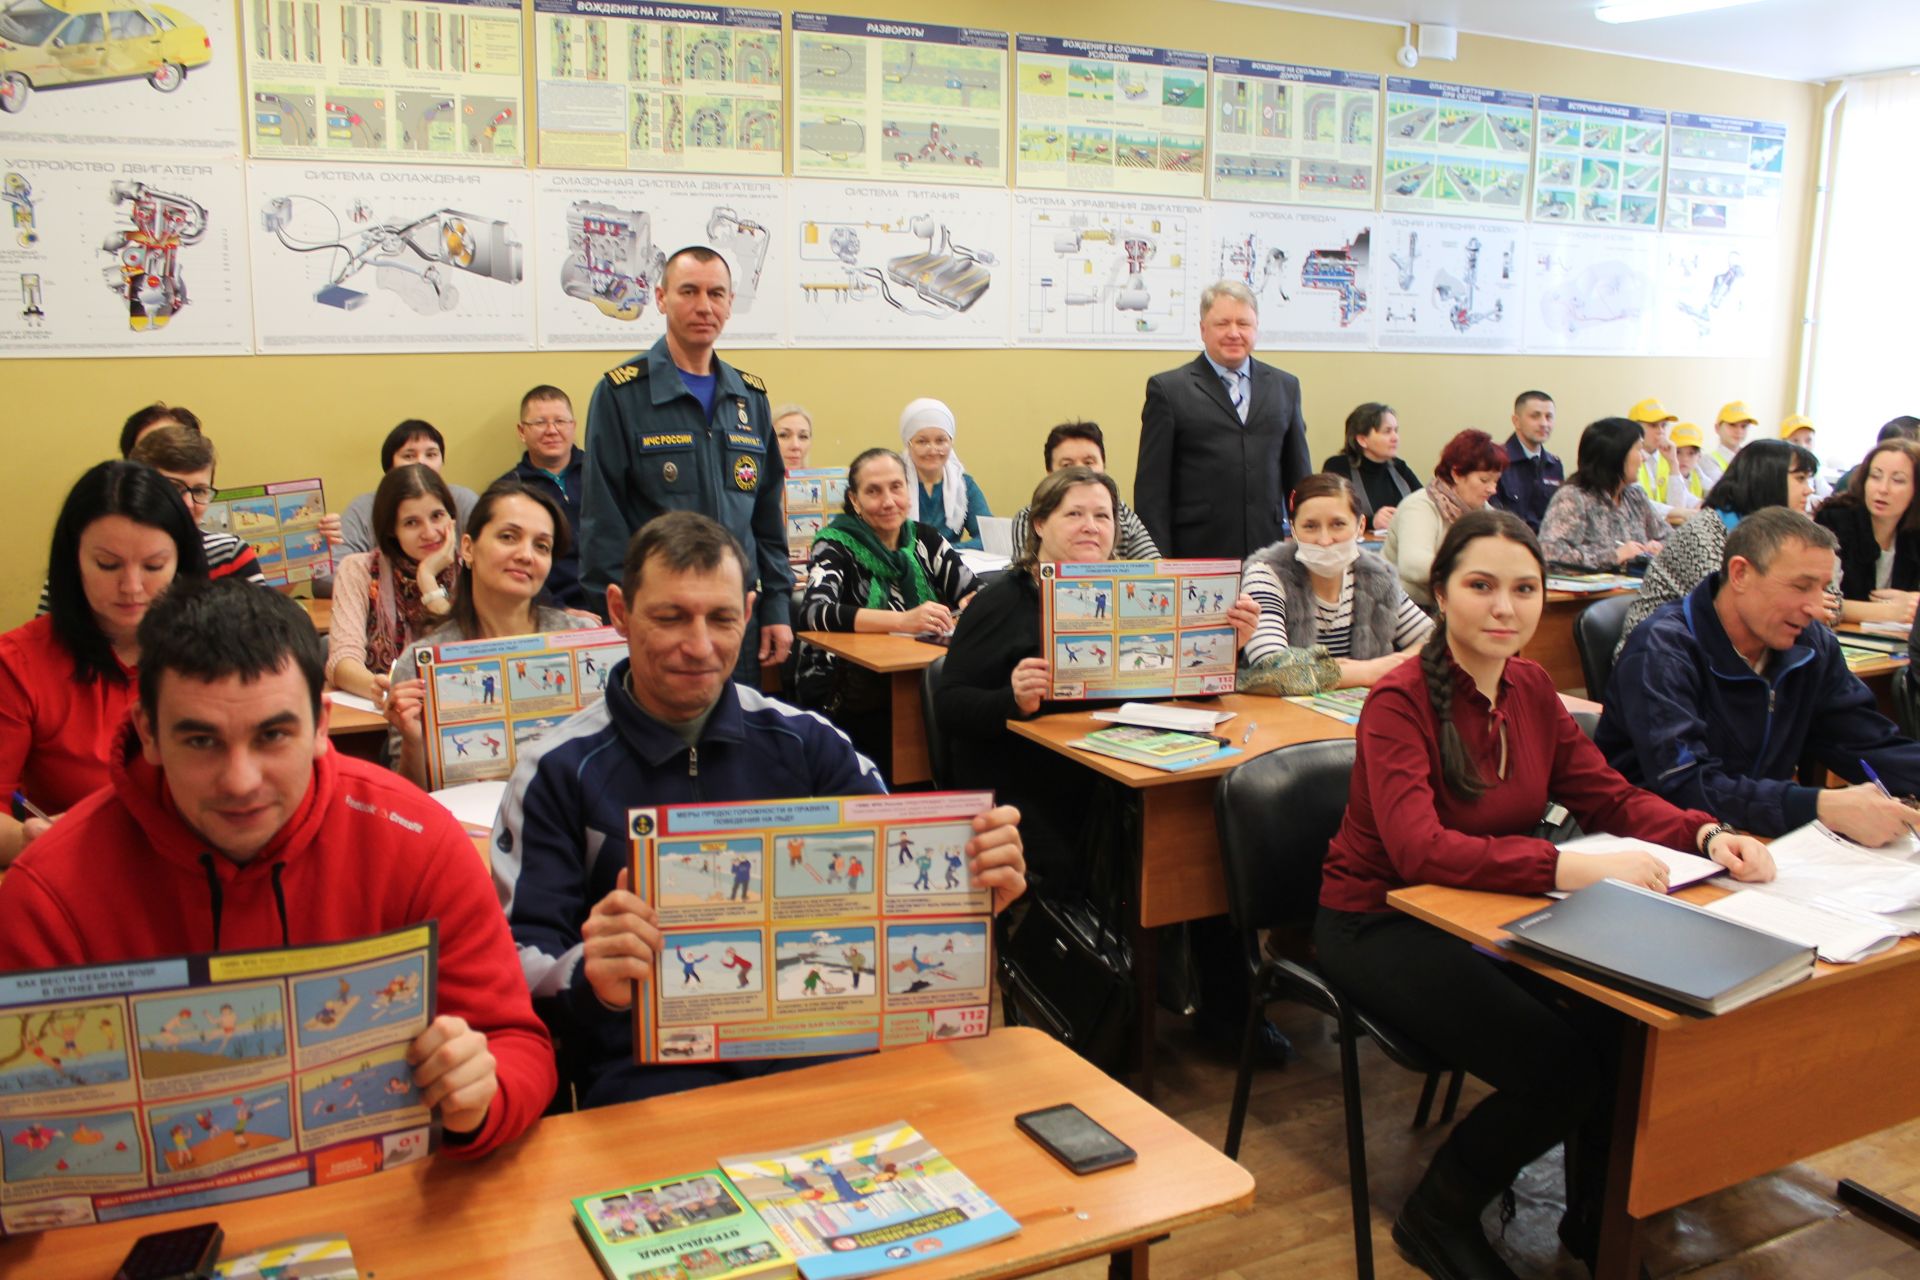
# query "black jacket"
(1208, 485)
(1852, 523)
(563, 580)
(1355, 474)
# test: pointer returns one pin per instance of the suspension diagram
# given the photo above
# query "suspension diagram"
(947, 276)
(146, 266)
(1723, 282)
(415, 259)
(1406, 264)
(1455, 294)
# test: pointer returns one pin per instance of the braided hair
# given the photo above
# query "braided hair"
(1457, 769)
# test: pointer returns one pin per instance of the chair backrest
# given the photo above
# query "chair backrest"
(1276, 815)
(939, 756)
(996, 535)
(1589, 723)
(1596, 634)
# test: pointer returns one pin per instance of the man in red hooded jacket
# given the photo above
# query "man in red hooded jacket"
(229, 825)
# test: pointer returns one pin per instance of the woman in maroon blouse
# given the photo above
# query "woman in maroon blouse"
(1456, 760)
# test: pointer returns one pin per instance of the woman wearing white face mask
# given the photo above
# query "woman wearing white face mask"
(1331, 617)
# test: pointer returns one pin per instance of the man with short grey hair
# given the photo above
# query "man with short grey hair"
(1222, 442)
(1717, 698)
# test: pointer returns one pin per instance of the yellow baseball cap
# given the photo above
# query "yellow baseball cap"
(1736, 411)
(1685, 436)
(1650, 411)
(1795, 422)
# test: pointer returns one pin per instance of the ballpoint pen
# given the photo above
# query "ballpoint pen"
(1247, 737)
(28, 807)
(1874, 778)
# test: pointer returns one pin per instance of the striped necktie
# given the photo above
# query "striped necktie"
(1237, 393)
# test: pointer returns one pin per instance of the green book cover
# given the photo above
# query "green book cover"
(1157, 743)
(696, 1226)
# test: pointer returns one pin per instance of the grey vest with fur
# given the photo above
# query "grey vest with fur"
(1376, 592)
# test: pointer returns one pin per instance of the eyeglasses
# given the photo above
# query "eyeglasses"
(544, 423)
(200, 493)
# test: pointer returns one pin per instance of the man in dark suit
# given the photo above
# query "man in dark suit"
(1222, 442)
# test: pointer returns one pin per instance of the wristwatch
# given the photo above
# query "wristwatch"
(433, 596)
(1715, 831)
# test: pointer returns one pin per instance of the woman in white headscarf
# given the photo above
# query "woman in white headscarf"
(945, 498)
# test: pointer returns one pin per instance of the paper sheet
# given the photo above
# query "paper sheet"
(1838, 939)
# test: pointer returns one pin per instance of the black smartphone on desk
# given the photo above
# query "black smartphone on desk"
(186, 1254)
(1072, 1137)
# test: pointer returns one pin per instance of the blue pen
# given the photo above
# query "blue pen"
(1874, 778)
(31, 809)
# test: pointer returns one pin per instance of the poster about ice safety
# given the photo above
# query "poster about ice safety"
(910, 101)
(120, 76)
(1456, 149)
(690, 87)
(109, 256)
(1724, 174)
(1138, 628)
(1292, 134)
(1107, 271)
(1448, 284)
(604, 239)
(1101, 115)
(349, 260)
(1599, 164)
(366, 81)
(879, 265)
(1311, 271)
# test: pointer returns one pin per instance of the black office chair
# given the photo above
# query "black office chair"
(1589, 722)
(1596, 634)
(1276, 815)
(939, 752)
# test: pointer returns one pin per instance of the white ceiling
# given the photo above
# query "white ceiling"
(1787, 39)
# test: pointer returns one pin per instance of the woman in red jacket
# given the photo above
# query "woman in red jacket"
(67, 677)
(1456, 759)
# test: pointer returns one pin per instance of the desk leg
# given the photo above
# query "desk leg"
(1129, 1264)
(1620, 1234)
(1130, 807)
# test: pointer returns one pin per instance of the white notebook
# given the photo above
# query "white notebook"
(1839, 939)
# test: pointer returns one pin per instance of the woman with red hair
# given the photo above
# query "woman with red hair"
(1463, 480)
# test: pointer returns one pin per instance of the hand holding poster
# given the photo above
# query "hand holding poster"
(281, 522)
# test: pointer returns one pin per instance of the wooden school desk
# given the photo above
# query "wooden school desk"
(508, 1215)
(900, 659)
(1552, 644)
(1704, 1103)
(321, 611)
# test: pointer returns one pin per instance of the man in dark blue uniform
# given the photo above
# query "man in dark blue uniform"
(1533, 475)
(679, 429)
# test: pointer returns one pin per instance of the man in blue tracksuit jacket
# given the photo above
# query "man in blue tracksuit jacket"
(1717, 698)
(671, 730)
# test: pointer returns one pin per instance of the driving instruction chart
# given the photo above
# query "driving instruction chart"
(1599, 164)
(1138, 628)
(1456, 148)
(1448, 284)
(421, 82)
(1310, 269)
(657, 86)
(1294, 135)
(1107, 271)
(1724, 174)
(908, 100)
(1099, 115)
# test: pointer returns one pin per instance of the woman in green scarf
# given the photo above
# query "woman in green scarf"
(873, 569)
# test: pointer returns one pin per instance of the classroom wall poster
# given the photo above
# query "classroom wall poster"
(486, 699)
(651, 86)
(106, 255)
(186, 1082)
(392, 259)
(1310, 269)
(122, 76)
(1448, 284)
(797, 928)
(603, 240)
(1723, 174)
(810, 500)
(1294, 135)
(884, 266)
(1717, 294)
(364, 81)
(1101, 115)
(1139, 628)
(1107, 271)
(1588, 292)
(1599, 164)
(1456, 148)
(281, 522)
(911, 101)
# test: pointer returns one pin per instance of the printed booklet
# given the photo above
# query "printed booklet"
(810, 499)
(1139, 628)
(693, 1227)
(867, 1202)
(485, 699)
(805, 927)
(185, 1082)
(281, 522)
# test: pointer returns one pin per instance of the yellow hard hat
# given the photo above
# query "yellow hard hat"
(1685, 436)
(1736, 411)
(1650, 411)
(1795, 422)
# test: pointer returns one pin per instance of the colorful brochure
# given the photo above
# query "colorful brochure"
(697, 1225)
(810, 500)
(1139, 628)
(796, 928)
(184, 1082)
(485, 699)
(281, 522)
(1342, 704)
(867, 1202)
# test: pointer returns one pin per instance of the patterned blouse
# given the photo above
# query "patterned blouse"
(1693, 552)
(1581, 530)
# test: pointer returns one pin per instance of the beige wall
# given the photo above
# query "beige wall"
(279, 417)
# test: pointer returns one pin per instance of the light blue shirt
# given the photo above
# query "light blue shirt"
(1241, 377)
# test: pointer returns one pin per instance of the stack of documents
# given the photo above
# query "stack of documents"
(1846, 899)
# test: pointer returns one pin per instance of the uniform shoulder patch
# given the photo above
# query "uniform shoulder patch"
(621, 375)
(753, 380)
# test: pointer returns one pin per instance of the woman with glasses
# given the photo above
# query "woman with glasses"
(944, 497)
(67, 679)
